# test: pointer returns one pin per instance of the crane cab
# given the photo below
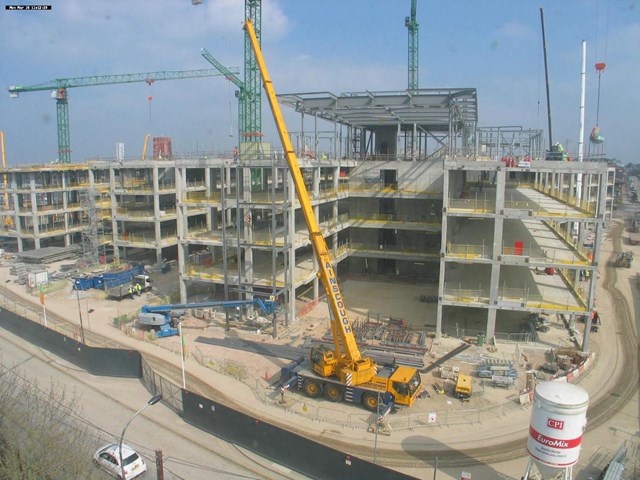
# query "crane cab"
(323, 361)
(404, 383)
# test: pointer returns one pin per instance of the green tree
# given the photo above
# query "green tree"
(42, 435)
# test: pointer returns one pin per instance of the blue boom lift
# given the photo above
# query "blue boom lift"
(159, 316)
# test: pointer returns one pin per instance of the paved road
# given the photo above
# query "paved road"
(108, 403)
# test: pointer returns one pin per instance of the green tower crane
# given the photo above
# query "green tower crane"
(252, 79)
(59, 92)
(250, 91)
(412, 26)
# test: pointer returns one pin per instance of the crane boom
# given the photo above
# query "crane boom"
(60, 86)
(241, 93)
(222, 69)
(348, 362)
(15, 90)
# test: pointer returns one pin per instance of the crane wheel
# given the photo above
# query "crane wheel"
(370, 401)
(312, 388)
(333, 393)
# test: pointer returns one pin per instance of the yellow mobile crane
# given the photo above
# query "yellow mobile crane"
(342, 373)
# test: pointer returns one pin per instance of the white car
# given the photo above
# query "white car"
(108, 459)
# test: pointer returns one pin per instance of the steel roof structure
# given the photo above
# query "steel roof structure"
(431, 109)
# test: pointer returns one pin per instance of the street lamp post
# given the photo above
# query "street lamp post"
(375, 444)
(80, 315)
(380, 414)
(152, 401)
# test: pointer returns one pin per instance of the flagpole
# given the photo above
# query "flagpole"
(182, 354)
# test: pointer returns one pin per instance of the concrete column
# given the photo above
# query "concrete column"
(181, 217)
(227, 187)
(491, 323)
(498, 234)
(413, 142)
(16, 207)
(156, 214)
(181, 230)
(65, 206)
(301, 147)
(91, 193)
(182, 283)
(316, 212)
(208, 190)
(334, 212)
(248, 228)
(292, 251)
(443, 250)
(114, 207)
(316, 182)
(599, 233)
(34, 211)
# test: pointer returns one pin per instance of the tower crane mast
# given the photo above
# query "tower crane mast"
(412, 26)
(253, 85)
(59, 88)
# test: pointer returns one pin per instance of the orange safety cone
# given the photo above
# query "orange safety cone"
(266, 376)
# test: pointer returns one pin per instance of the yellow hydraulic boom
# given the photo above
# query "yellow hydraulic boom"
(345, 361)
(144, 147)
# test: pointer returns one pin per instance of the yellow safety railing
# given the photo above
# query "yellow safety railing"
(202, 197)
(467, 251)
(476, 205)
(148, 238)
(465, 295)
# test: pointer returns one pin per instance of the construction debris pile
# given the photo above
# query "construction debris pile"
(562, 360)
(392, 333)
(624, 259)
(499, 373)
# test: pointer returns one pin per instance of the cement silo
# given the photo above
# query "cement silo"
(558, 420)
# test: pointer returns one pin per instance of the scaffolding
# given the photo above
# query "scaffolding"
(90, 241)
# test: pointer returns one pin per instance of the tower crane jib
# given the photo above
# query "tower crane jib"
(59, 87)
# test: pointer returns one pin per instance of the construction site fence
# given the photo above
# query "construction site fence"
(253, 433)
(448, 418)
(270, 441)
(294, 403)
(156, 384)
(278, 444)
(95, 360)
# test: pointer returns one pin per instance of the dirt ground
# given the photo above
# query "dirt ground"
(383, 299)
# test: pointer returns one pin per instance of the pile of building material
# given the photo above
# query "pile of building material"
(562, 360)
(29, 274)
(393, 333)
(49, 254)
(624, 259)
(448, 372)
(500, 374)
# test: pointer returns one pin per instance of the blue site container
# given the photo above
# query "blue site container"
(98, 282)
(82, 283)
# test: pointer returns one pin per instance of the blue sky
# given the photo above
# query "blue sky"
(311, 45)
